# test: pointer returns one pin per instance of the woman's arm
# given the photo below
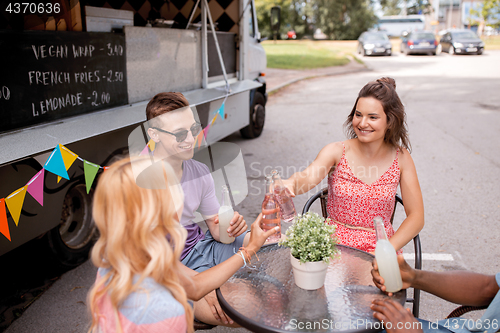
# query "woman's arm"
(302, 182)
(200, 284)
(413, 203)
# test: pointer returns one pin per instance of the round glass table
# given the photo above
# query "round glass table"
(265, 298)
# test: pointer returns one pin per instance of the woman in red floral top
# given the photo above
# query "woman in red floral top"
(364, 171)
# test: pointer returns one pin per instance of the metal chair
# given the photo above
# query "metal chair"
(322, 195)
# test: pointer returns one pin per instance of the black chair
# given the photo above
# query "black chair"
(322, 195)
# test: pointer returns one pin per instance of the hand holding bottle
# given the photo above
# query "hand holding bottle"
(259, 236)
(237, 225)
(407, 274)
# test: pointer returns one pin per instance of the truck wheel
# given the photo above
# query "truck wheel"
(257, 117)
(72, 240)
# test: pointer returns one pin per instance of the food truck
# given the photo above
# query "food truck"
(75, 80)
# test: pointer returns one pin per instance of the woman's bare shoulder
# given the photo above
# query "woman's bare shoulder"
(333, 151)
(405, 160)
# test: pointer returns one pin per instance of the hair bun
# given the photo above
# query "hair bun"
(389, 81)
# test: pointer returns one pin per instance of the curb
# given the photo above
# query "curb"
(306, 77)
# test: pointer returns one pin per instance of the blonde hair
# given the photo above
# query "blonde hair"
(134, 222)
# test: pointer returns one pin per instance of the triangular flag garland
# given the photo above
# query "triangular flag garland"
(90, 171)
(68, 158)
(15, 203)
(4, 225)
(152, 145)
(55, 164)
(59, 163)
(35, 186)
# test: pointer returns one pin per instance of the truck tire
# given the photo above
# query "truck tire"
(73, 238)
(257, 117)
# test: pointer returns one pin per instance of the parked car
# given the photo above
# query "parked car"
(419, 42)
(373, 43)
(461, 42)
(291, 35)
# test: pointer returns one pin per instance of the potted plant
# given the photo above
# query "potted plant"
(312, 244)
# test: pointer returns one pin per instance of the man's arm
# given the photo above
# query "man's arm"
(461, 287)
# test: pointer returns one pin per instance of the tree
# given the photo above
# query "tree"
(487, 13)
(390, 7)
(293, 15)
(344, 19)
(415, 7)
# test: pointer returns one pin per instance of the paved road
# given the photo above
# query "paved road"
(453, 108)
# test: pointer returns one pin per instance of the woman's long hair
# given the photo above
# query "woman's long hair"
(134, 223)
(384, 90)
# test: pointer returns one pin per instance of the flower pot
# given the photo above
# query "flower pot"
(309, 275)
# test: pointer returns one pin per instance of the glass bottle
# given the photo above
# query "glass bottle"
(271, 216)
(284, 198)
(226, 213)
(387, 260)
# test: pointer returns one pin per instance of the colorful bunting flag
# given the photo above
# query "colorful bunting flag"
(35, 186)
(221, 111)
(4, 224)
(205, 131)
(213, 120)
(15, 203)
(145, 151)
(55, 164)
(105, 168)
(90, 171)
(68, 158)
(152, 145)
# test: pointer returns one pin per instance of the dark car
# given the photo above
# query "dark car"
(419, 42)
(373, 43)
(461, 42)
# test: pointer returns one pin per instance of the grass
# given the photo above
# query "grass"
(491, 42)
(303, 55)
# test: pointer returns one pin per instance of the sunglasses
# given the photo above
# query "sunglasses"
(182, 134)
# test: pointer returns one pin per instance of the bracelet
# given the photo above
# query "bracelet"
(248, 256)
(243, 257)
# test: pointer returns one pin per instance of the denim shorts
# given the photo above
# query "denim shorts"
(208, 252)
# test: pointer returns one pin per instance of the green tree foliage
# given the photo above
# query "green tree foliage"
(338, 19)
(344, 19)
(488, 13)
(390, 7)
(418, 7)
(413, 7)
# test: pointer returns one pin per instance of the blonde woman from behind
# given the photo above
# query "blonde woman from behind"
(141, 285)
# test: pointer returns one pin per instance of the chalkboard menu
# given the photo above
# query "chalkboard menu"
(49, 75)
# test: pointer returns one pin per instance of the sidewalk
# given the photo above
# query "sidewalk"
(279, 78)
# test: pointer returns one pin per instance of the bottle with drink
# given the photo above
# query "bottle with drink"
(271, 216)
(387, 260)
(284, 198)
(226, 213)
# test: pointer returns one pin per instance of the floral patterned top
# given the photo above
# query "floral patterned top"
(355, 203)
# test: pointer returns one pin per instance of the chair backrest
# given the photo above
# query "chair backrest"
(322, 195)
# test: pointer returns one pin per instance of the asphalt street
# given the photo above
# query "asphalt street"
(453, 110)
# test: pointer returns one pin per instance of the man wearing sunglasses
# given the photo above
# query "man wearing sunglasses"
(174, 129)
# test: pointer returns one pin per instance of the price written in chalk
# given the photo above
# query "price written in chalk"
(5, 93)
(105, 98)
(114, 50)
(69, 101)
